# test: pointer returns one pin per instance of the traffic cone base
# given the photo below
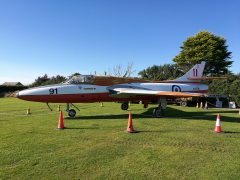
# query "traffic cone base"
(133, 131)
(218, 129)
(61, 121)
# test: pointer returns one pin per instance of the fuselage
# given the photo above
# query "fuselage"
(83, 93)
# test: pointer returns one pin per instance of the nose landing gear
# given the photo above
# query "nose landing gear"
(71, 112)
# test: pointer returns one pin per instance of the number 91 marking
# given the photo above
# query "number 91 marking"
(53, 91)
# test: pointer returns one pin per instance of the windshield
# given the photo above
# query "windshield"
(80, 79)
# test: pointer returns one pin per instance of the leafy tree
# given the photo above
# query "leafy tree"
(55, 80)
(45, 80)
(229, 86)
(164, 72)
(40, 80)
(205, 46)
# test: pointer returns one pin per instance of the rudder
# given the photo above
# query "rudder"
(194, 74)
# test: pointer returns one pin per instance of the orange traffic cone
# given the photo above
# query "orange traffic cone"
(130, 124)
(218, 125)
(61, 121)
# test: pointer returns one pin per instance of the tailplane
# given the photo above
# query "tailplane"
(194, 74)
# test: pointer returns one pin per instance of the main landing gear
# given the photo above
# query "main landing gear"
(159, 111)
(71, 112)
(125, 106)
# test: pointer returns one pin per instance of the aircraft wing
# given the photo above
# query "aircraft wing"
(130, 92)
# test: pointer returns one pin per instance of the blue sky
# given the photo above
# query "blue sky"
(67, 36)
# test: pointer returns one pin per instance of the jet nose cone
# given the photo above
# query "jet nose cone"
(18, 95)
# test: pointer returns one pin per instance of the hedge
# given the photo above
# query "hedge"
(8, 89)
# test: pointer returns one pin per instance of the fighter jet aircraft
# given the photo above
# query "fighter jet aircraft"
(89, 88)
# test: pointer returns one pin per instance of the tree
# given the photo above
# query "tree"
(40, 80)
(164, 72)
(229, 86)
(55, 80)
(45, 80)
(205, 46)
(121, 71)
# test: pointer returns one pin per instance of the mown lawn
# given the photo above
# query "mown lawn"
(95, 146)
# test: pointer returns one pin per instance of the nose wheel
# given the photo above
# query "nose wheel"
(71, 112)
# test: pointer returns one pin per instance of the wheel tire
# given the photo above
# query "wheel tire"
(72, 113)
(154, 112)
(124, 106)
(158, 112)
(184, 104)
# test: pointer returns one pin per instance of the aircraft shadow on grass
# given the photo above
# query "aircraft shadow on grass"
(209, 115)
(83, 128)
(169, 113)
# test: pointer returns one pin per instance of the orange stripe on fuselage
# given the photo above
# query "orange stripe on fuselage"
(178, 94)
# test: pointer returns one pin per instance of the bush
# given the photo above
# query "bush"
(10, 89)
(229, 86)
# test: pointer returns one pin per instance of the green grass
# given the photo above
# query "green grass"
(95, 146)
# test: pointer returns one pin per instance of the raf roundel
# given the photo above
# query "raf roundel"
(176, 88)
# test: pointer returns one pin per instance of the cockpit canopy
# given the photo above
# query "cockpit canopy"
(80, 79)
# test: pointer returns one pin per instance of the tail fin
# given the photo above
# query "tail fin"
(194, 74)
